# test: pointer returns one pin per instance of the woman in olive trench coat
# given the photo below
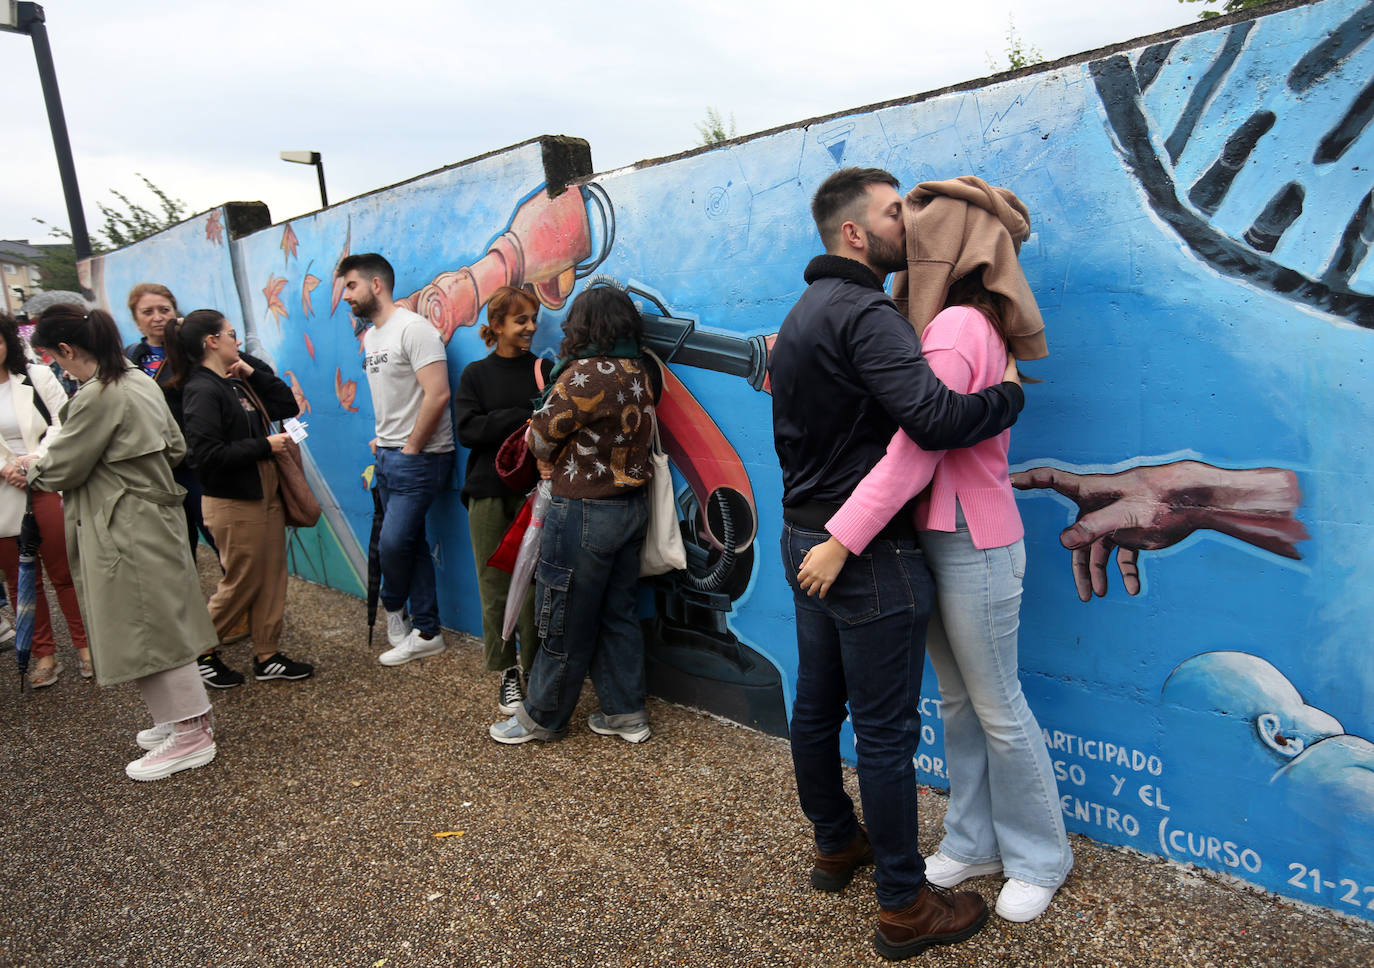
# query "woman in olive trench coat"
(126, 536)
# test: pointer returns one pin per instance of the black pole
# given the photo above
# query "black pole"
(31, 21)
(319, 170)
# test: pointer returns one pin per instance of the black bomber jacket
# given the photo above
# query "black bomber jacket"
(846, 371)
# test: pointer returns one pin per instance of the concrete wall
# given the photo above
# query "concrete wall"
(1201, 214)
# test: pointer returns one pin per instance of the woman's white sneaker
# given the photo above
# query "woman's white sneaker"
(1020, 901)
(943, 871)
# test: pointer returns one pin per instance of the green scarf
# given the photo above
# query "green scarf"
(624, 348)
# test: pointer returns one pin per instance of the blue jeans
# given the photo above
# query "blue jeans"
(408, 484)
(586, 590)
(863, 644)
(1003, 801)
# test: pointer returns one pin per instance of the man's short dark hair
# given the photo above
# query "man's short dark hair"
(370, 265)
(834, 201)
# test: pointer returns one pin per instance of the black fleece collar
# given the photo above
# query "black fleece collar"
(838, 267)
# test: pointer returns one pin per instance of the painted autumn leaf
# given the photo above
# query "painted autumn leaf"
(273, 293)
(337, 283)
(345, 390)
(308, 285)
(297, 392)
(214, 231)
(309, 345)
(288, 244)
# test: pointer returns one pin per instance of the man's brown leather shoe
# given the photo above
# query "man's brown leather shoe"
(833, 871)
(937, 916)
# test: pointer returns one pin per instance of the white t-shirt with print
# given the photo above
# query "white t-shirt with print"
(393, 353)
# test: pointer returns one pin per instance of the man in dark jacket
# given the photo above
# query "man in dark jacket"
(846, 373)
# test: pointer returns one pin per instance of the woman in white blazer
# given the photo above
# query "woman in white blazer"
(31, 400)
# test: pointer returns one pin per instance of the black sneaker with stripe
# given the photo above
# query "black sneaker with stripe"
(278, 666)
(216, 674)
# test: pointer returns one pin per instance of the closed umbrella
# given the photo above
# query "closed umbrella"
(374, 561)
(26, 595)
(526, 559)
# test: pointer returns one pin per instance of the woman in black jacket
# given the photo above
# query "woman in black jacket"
(224, 396)
(494, 400)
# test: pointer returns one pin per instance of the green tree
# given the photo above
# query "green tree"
(713, 129)
(57, 268)
(125, 223)
(1019, 54)
(1228, 6)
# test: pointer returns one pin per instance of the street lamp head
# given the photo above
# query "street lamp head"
(15, 17)
(301, 157)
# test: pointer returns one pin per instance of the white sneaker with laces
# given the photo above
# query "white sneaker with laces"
(415, 646)
(152, 737)
(943, 871)
(397, 627)
(1021, 901)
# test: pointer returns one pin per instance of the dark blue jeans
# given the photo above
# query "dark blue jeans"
(586, 586)
(864, 645)
(408, 484)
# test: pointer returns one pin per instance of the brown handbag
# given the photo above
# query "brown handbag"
(301, 507)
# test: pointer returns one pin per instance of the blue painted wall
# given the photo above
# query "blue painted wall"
(1200, 311)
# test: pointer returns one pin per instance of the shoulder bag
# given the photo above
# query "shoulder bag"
(663, 549)
(299, 503)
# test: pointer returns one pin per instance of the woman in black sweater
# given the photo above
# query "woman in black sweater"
(495, 398)
(223, 398)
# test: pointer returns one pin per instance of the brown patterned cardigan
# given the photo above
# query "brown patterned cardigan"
(596, 428)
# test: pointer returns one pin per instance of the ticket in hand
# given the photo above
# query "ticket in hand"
(295, 428)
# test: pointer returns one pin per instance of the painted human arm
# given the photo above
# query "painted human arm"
(1156, 506)
(899, 377)
(433, 380)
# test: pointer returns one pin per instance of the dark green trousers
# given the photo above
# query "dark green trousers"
(488, 519)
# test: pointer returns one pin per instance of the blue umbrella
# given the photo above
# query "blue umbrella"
(27, 591)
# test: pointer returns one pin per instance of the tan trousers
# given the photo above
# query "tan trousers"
(251, 536)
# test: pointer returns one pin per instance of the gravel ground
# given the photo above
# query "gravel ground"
(315, 839)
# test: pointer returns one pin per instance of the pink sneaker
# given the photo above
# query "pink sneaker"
(189, 743)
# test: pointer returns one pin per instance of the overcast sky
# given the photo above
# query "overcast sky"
(201, 96)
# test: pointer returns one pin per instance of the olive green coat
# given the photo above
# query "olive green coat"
(126, 531)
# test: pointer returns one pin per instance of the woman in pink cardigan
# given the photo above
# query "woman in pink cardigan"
(1004, 813)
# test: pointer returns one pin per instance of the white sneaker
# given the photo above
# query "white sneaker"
(945, 871)
(6, 631)
(397, 627)
(415, 646)
(152, 737)
(1020, 901)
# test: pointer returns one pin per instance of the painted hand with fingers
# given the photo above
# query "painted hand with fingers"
(1154, 507)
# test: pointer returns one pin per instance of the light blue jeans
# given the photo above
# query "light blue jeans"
(1003, 801)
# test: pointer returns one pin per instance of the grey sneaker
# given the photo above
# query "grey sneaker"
(512, 692)
(631, 732)
(510, 732)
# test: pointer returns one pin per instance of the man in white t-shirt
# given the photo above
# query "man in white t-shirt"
(407, 371)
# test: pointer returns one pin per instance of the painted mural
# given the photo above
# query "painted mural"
(1194, 470)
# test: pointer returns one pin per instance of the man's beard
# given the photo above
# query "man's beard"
(367, 310)
(884, 256)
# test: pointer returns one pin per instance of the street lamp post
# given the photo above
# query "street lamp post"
(27, 18)
(309, 158)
